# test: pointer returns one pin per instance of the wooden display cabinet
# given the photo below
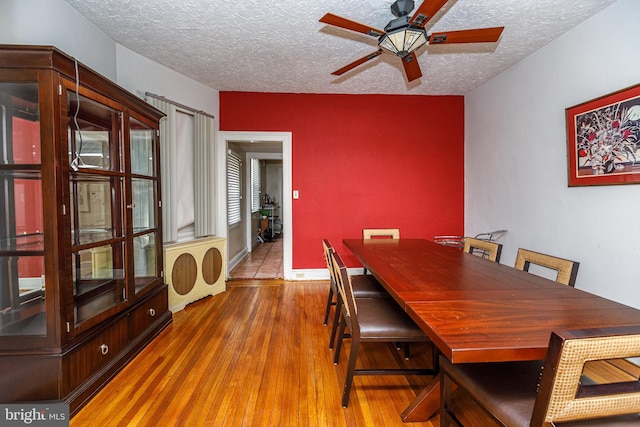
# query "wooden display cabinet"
(81, 288)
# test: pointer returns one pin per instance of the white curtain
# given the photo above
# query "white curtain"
(204, 174)
(167, 165)
(185, 177)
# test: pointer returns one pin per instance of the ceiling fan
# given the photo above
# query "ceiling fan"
(405, 34)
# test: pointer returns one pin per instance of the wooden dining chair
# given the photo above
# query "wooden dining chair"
(373, 320)
(364, 286)
(567, 270)
(379, 233)
(553, 392)
(489, 250)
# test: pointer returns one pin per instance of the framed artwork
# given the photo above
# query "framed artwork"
(603, 139)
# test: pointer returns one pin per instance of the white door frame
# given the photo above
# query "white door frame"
(221, 178)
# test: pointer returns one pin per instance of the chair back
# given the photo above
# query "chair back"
(567, 270)
(372, 233)
(561, 397)
(489, 250)
(327, 248)
(490, 236)
(343, 283)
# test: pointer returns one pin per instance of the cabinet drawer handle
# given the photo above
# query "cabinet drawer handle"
(152, 312)
(104, 349)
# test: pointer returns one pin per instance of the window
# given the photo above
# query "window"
(186, 143)
(255, 185)
(234, 194)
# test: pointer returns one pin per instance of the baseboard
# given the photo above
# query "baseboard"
(317, 274)
(233, 262)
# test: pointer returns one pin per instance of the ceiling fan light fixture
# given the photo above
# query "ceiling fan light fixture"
(405, 34)
(403, 40)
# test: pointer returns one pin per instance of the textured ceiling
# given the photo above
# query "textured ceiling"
(279, 45)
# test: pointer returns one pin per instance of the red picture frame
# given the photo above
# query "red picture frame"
(603, 139)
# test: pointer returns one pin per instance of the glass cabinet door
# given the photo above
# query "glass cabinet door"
(143, 146)
(22, 266)
(113, 193)
(96, 211)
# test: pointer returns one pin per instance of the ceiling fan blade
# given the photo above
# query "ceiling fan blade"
(348, 24)
(411, 67)
(354, 64)
(479, 35)
(425, 12)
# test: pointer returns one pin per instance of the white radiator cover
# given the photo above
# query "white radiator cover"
(194, 270)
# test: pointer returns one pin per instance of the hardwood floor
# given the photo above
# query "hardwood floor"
(256, 356)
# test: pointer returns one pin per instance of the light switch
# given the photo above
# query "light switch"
(296, 194)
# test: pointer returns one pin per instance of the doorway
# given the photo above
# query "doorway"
(265, 261)
(265, 145)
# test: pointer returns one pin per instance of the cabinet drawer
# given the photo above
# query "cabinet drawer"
(148, 312)
(95, 353)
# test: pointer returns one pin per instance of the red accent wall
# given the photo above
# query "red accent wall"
(27, 192)
(362, 161)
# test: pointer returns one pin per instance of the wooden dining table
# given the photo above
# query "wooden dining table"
(476, 310)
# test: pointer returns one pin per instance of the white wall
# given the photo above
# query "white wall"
(139, 75)
(56, 23)
(515, 154)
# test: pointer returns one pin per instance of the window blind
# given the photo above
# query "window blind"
(255, 185)
(234, 194)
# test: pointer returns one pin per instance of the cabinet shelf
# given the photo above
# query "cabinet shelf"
(108, 298)
(94, 237)
(32, 244)
(143, 283)
(21, 170)
(89, 289)
(25, 320)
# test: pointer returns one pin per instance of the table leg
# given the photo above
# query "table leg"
(426, 404)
